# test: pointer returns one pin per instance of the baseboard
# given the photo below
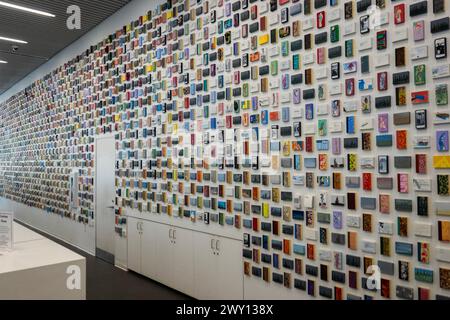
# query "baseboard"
(105, 256)
(121, 267)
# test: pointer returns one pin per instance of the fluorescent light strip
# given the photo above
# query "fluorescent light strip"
(14, 6)
(13, 40)
(2, 61)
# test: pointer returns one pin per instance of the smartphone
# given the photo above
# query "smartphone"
(273, 36)
(285, 114)
(421, 119)
(255, 163)
(383, 164)
(381, 40)
(335, 70)
(440, 48)
(236, 20)
(245, 31)
(438, 6)
(245, 60)
(365, 64)
(206, 217)
(364, 24)
(297, 129)
(382, 81)
(296, 62)
(274, 132)
(308, 41)
(254, 12)
(350, 124)
(419, 30)
(334, 33)
(284, 15)
(349, 48)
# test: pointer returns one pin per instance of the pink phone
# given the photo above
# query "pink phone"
(419, 30)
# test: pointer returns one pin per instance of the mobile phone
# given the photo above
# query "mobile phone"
(334, 33)
(419, 30)
(335, 70)
(383, 164)
(296, 62)
(365, 64)
(381, 40)
(350, 125)
(255, 163)
(284, 15)
(274, 132)
(364, 24)
(285, 114)
(440, 48)
(421, 119)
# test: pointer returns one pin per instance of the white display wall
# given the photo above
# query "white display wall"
(317, 130)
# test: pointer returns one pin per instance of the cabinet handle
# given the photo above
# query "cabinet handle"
(170, 233)
(217, 245)
(212, 244)
(142, 226)
(174, 234)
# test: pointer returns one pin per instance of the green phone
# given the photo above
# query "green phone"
(274, 68)
(296, 62)
(349, 48)
(334, 33)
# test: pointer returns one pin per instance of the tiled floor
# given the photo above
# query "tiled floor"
(106, 282)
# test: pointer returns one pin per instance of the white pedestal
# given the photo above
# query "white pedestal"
(37, 268)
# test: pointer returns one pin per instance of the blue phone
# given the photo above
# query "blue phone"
(350, 124)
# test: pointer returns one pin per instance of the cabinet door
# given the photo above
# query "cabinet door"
(205, 266)
(183, 261)
(149, 253)
(134, 244)
(164, 247)
(230, 274)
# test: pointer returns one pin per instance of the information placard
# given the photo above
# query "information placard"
(6, 230)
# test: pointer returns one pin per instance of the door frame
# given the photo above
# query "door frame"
(106, 256)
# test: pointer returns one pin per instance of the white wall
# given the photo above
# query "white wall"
(77, 234)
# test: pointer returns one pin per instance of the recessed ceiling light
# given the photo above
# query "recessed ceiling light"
(13, 40)
(2, 61)
(15, 6)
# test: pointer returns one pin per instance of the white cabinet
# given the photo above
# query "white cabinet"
(218, 268)
(149, 251)
(142, 247)
(183, 261)
(175, 257)
(205, 265)
(195, 263)
(164, 266)
(230, 277)
(134, 244)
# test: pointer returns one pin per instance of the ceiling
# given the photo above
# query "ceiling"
(46, 36)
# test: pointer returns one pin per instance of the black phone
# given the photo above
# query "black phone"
(440, 48)
(421, 119)
(255, 163)
(365, 64)
(335, 70)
